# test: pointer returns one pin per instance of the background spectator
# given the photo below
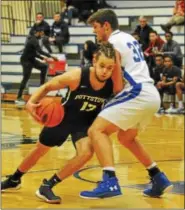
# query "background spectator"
(173, 49)
(88, 52)
(180, 87)
(82, 9)
(87, 8)
(143, 29)
(103, 4)
(171, 75)
(32, 51)
(178, 16)
(158, 69)
(70, 10)
(155, 46)
(138, 38)
(59, 34)
(39, 25)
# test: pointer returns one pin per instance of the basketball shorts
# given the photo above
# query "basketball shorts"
(56, 136)
(133, 108)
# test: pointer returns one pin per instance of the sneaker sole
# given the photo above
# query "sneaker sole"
(166, 190)
(95, 198)
(45, 199)
(12, 189)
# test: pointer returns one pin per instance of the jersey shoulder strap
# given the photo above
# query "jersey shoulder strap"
(85, 81)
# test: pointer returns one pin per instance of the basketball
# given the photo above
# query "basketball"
(50, 112)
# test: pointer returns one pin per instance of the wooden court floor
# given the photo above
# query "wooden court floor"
(164, 138)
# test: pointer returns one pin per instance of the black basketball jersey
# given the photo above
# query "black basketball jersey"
(83, 104)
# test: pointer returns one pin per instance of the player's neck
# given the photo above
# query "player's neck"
(95, 83)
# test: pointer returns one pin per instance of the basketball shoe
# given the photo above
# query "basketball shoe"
(10, 184)
(109, 187)
(160, 185)
(45, 193)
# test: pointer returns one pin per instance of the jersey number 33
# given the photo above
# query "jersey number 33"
(138, 54)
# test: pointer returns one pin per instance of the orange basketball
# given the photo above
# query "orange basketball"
(50, 112)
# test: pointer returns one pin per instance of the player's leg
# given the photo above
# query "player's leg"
(127, 112)
(99, 132)
(49, 137)
(179, 88)
(84, 152)
(160, 182)
(14, 181)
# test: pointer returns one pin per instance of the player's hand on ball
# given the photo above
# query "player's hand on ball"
(31, 107)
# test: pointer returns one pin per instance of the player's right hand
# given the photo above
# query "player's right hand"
(31, 107)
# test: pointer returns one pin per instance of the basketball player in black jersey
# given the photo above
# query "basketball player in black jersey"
(88, 89)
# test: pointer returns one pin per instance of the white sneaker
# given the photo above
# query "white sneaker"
(20, 102)
(180, 110)
(171, 110)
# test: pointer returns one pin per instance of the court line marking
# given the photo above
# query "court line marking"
(94, 166)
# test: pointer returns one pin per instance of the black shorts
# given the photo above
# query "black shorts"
(170, 89)
(56, 136)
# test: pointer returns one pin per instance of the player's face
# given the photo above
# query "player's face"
(100, 32)
(168, 62)
(103, 68)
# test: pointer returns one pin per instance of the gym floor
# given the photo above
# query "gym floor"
(164, 138)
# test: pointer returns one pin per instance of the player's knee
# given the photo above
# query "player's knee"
(91, 131)
(125, 139)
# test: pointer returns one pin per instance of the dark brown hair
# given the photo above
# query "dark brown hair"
(104, 15)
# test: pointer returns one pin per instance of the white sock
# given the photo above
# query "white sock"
(109, 168)
(181, 105)
(154, 164)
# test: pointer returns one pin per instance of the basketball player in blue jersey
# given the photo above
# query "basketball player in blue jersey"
(130, 110)
(89, 88)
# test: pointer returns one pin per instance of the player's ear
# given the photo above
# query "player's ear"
(106, 26)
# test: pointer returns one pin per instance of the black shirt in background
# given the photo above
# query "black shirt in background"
(157, 73)
(43, 26)
(172, 72)
(144, 35)
(33, 50)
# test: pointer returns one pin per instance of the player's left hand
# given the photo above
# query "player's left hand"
(31, 107)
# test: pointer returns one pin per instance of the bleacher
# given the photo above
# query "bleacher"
(12, 70)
